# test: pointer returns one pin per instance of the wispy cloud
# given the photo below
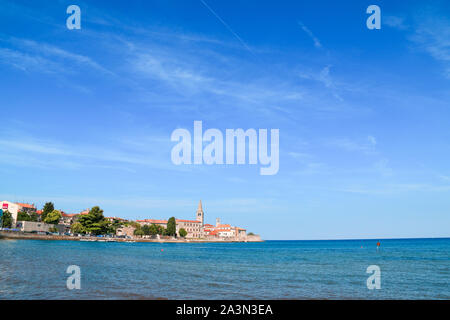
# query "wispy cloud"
(428, 30)
(366, 147)
(372, 140)
(433, 36)
(389, 189)
(228, 27)
(30, 55)
(208, 75)
(27, 151)
(29, 63)
(323, 76)
(316, 41)
(395, 22)
(382, 166)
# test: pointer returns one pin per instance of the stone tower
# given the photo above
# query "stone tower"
(217, 222)
(200, 214)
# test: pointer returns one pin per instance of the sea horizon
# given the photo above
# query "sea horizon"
(349, 239)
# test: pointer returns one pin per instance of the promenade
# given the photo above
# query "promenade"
(32, 236)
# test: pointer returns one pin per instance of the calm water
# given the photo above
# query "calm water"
(410, 269)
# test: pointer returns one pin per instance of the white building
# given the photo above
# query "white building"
(15, 208)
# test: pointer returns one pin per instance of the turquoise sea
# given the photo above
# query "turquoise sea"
(410, 269)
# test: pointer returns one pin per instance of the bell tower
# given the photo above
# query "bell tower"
(200, 214)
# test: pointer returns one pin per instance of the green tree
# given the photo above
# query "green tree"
(94, 222)
(77, 228)
(53, 229)
(171, 229)
(48, 207)
(134, 224)
(33, 216)
(139, 232)
(146, 230)
(23, 216)
(153, 229)
(7, 219)
(157, 229)
(182, 232)
(53, 217)
(116, 224)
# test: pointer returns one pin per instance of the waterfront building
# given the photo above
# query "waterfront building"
(162, 223)
(15, 208)
(125, 231)
(240, 233)
(31, 226)
(193, 228)
(112, 219)
(68, 218)
(200, 214)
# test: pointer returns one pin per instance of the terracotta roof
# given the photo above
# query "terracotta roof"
(69, 215)
(181, 220)
(152, 221)
(26, 205)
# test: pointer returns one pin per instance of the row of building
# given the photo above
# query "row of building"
(196, 229)
(67, 219)
(15, 207)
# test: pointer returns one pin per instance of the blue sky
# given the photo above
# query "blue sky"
(364, 115)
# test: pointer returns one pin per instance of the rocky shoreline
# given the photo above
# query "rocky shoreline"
(31, 236)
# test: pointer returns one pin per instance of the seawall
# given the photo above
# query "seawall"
(32, 236)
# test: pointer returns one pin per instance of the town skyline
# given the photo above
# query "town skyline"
(28, 219)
